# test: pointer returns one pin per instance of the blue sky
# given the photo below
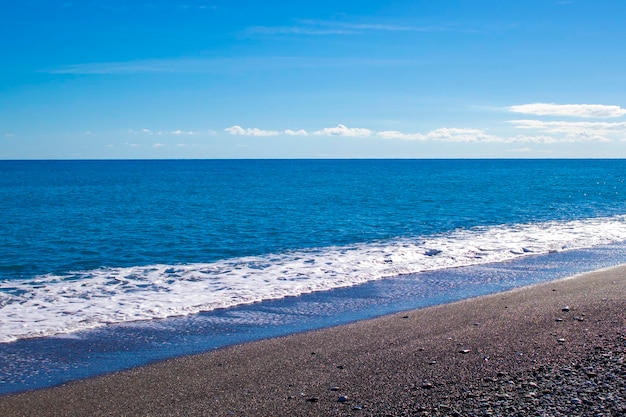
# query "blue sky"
(327, 79)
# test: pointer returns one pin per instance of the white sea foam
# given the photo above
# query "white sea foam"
(53, 304)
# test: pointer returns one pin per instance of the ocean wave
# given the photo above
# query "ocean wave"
(56, 304)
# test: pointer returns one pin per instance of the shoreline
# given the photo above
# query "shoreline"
(493, 352)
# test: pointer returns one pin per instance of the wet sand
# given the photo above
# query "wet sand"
(551, 349)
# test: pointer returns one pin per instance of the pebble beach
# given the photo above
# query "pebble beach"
(554, 349)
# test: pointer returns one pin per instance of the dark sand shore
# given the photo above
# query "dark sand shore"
(548, 350)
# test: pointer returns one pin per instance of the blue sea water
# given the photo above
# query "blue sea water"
(188, 255)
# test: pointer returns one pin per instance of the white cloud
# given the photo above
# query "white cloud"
(342, 130)
(599, 111)
(549, 133)
(394, 134)
(577, 131)
(240, 131)
(545, 139)
(182, 132)
(158, 145)
(571, 127)
(444, 134)
(9, 135)
(150, 132)
(144, 131)
(300, 132)
(462, 135)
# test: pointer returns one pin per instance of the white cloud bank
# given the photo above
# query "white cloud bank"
(598, 111)
(452, 135)
(540, 131)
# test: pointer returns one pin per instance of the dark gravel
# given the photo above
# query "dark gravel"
(551, 350)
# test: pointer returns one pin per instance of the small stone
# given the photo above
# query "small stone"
(342, 399)
(464, 351)
(558, 319)
(579, 318)
(561, 340)
(427, 385)
(566, 308)
(432, 362)
(340, 367)
(334, 388)
(405, 317)
(313, 399)
(357, 408)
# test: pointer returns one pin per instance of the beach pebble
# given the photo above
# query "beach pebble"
(342, 399)
(313, 399)
(566, 308)
(560, 340)
(464, 351)
(558, 319)
(334, 388)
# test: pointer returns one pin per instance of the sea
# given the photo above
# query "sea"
(110, 264)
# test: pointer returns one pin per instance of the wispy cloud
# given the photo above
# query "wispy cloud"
(337, 27)
(117, 7)
(599, 111)
(221, 65)
(145, 131)
(176, 132)
(296, 30)
(182, 132)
